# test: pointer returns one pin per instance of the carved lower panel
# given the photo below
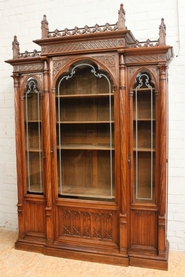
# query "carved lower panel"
(144, 228)
(84, 224)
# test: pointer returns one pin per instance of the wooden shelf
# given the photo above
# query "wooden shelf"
(85, 122)
(143, 149)
(84, 147)
(94, 95)
(89, 192)
(144, 89)
(33, 121)
(144, 119)
(34, 150)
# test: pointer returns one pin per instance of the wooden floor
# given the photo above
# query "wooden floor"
(16, 263)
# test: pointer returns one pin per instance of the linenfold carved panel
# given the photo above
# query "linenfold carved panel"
(86, 224)
(83, 45)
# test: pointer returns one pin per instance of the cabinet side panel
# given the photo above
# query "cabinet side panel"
(144, 230)
(35, 218)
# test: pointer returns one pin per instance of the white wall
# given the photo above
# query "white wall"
(23, 18)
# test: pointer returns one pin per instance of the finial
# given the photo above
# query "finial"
(44, 27)
(162, 33)
(121, 18)
(15, 48)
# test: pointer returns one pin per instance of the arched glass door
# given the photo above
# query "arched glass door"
(144, 135)
(85, 133)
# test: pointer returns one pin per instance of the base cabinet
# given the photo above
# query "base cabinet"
(91, 140)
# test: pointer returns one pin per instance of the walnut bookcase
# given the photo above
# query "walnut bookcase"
(91, 140)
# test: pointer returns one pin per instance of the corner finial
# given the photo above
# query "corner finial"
(162, 33)
(15, 48)
(121, 18)
(44, 27)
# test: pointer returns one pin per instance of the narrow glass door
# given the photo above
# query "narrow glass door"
(144, 132)
(33, 137)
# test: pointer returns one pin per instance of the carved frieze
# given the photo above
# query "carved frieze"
(28, 67)
(83, 45)
(145, 58)
(87, 224)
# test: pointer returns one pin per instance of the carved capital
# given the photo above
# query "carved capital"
(16, 78)
(48, 212)
(162, 71)
(19, 209)
(122, 61)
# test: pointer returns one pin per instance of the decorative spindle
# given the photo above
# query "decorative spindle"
(121, 18)
(44, 27)
(15, 48)
(162, 33)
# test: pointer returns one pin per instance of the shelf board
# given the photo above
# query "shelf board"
(33, 121)
(144, 89)
(94, 95)
(85, 122)
(144, 119)
(144, 149)
(84, 147)
(35, 150)
(82, 191)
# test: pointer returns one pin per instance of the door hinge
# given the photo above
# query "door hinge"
(52, 151)
(128, 160)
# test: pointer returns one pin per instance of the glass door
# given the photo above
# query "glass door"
(144, 133)
(85, 134)
(33, 136)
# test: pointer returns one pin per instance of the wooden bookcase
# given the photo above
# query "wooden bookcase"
(91, 140)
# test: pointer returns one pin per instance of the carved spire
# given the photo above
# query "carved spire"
(44, 27)
(162, 33)
(121, 18)
(15, 48)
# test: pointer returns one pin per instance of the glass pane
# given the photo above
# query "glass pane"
(85, 134)
(33, 139)
(144, 139)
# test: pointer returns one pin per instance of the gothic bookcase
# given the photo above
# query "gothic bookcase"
(91, 140)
